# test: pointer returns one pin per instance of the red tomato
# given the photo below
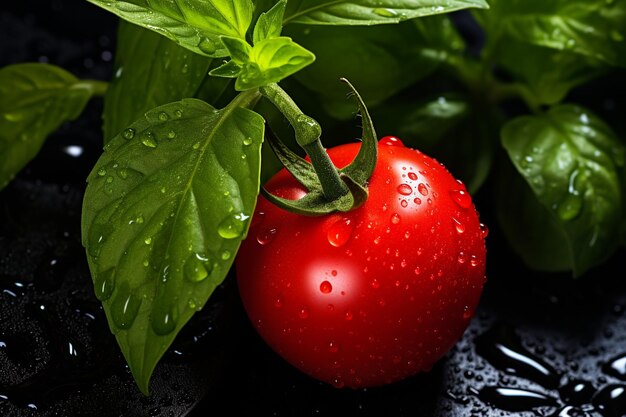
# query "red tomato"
(375, 295)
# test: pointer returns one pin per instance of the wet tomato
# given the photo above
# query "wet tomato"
(374, 295)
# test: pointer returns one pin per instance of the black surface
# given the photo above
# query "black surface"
(539, 345)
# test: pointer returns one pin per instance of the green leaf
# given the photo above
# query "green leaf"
(238, 49)
(270, 23)
(165, 210)
(195, 25)
(369, 12)
(570, 158)
(150, 70)
(382, 60)
(549, 74)
(593, 28)
(272, 60)
(35, 99)
(227, 70)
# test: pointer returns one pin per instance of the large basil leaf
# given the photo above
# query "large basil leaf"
(196, 25)
(150, 70)
(549, 73)
(378, 60)
(369, 12)
(593, 28)
(35, 99)
(164, 213)
(571, 160)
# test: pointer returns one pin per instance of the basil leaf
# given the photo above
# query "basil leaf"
(570, 158)
(549, 74)
(35, 99)
(381, 60)
(150, 70)
(165, 210)
(270, 23)
(593, 28)
(195, 25)
(369, 12)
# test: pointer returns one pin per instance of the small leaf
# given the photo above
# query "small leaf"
(270, 23)
(227, 70)
(570, 159)
(35, 99)
(150, 70)
(369, 12)
(195, 25)
(272, 60)
(164, 213)
(238, 49)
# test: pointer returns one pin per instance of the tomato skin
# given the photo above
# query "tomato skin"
(372, 296)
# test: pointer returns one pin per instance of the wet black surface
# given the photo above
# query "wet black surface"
(539, 345)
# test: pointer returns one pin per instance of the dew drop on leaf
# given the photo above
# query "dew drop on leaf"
(163, 116)
(232, 226)
(129, 133)
(207, 46)
(340, 232)
(147, 138)
(105, 283)
(164, 316)
(385, 12)
(124, 308)
(197, 268)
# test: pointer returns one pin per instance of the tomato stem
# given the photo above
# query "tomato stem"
(308, 133)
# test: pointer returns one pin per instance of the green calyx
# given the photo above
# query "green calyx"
(329, 189)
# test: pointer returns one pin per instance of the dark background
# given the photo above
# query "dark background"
(539, 345)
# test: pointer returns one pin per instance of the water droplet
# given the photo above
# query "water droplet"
(417, 201)
(207, 46)
(417, 270)
(105, 283)
(404, 203)
(197, 267)
(265, 236)
(462, 198)
(164, 316)
(395, 218)
(616, 367)
(122, 173)
(422, 189)
(333, 273)
(124, 308)
(385, 12)
(513, 399)
(178, 113)
(171, 134)
(391, 141)
(232, 226)
(570, 207)
(484, 230)
(247, 141)
(147, 138)
(460, 227)
(196, 146)
(129, 133)
(377, 240)
(226, 255)
(348, 315)
(303, 313)
(375, 284)
(611, 400)
(278, 302)
(462, 258)
(163, 116)
(326, 287)
(102, 172)
(333, 347)
(147, 240)
(405, 189)
(340, 232)
(412, 176)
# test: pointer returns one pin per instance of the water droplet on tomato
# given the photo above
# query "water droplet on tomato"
(391, 141)
(338, 383)
(412, 176)
(395, 218)
(326, 287)
(467, 313)
(484, 230)
(265, 236)
(422, 189)
(333, 273)
(303, 313)
(417, 270)
(340, 232)
(462, 258)
(377, 240)
(375, 284)
(474, 260)
(417, 201)
(404, 203)
(278, 302)
(462, 198)
(348, 316)
(405, 189)
(460, 227)
(333, 347)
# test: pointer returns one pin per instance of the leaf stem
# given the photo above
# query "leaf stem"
(97, 87)
(308, 133)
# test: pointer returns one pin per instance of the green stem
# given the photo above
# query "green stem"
(308, 133)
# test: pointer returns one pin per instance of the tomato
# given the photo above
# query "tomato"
(374, 295)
